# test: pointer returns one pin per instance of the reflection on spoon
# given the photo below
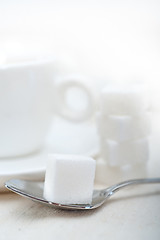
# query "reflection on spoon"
(34, 191)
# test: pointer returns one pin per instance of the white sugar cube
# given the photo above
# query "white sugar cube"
(123, 100)
(128, 152)
(122, 128)
(69, 179)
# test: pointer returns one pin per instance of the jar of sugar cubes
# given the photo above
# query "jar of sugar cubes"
(124, 127)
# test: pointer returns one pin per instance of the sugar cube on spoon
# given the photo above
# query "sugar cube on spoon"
(69, 179)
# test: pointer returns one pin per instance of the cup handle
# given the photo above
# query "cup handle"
(62, 107)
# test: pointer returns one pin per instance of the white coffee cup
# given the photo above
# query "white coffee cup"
(28, 99)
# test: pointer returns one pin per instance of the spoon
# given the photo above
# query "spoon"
(34, 191)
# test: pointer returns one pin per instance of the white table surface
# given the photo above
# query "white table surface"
(129, 215)
(133, 213)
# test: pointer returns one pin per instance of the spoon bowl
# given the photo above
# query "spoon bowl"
(34, 191)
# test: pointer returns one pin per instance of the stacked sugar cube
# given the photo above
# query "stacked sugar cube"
(124, 126)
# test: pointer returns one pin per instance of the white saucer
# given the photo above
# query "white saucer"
(64, 137)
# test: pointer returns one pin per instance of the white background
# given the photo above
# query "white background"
(113, 41)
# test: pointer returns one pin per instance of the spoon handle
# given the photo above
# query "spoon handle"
(118, 186)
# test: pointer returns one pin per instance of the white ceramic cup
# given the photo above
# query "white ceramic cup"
(28, 99)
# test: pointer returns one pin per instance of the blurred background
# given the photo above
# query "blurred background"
(105, 41)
